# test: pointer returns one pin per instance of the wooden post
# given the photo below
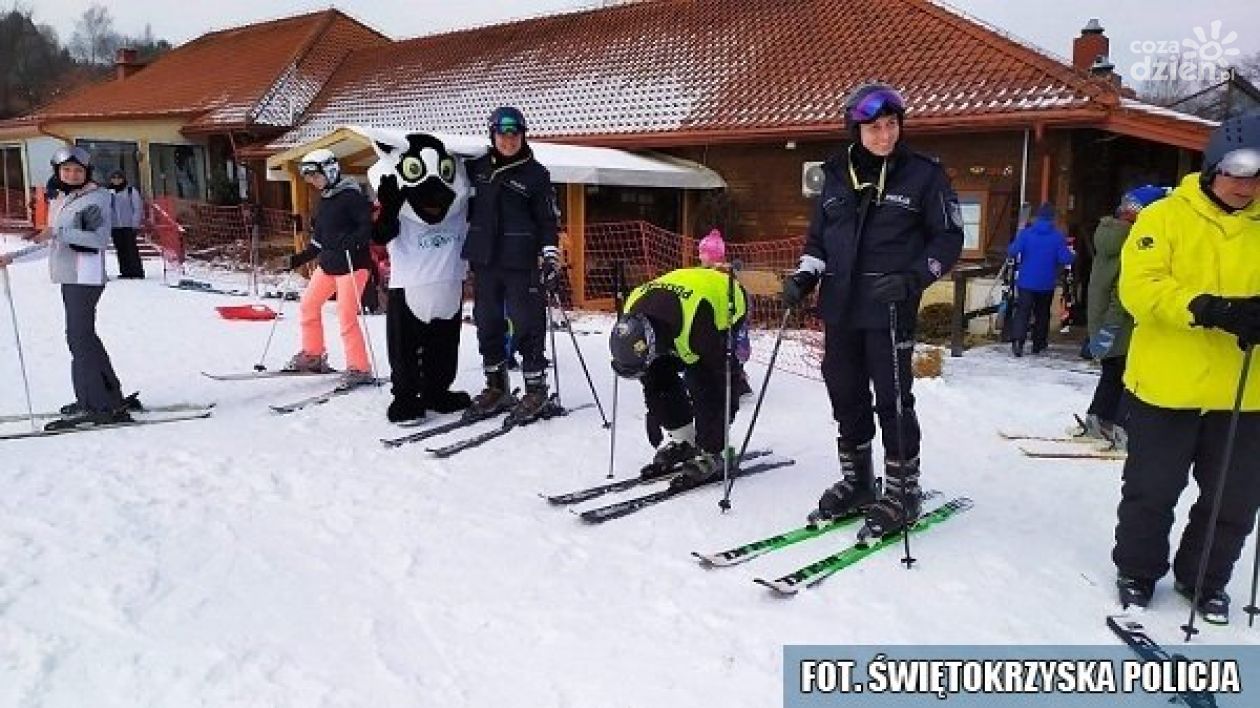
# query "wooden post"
(297, 195)
(575, 225)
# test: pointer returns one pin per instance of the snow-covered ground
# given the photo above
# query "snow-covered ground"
(256, 559)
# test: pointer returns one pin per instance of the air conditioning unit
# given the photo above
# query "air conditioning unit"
(811, 179)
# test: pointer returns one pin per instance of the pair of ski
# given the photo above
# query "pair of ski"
(294, 406)
(154, 415)
(554, 410)
(790, 583)
(1083, 448)
(625, 507)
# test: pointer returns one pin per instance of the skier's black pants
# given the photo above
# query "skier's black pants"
(1032, 305)
(129, 263)
(423, 356)
(96, 387)
(1107, 394)
(674, 401)
(1164, 444)
(853, 360)
(519, 291)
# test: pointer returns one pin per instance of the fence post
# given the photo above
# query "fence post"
(960, 315)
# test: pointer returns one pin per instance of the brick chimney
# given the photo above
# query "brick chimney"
(126, 63)
(1089, 46)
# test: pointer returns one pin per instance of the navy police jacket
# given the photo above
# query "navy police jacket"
(914, 226)
(512, 214)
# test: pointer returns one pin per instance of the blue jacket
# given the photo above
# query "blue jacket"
(1041, 250)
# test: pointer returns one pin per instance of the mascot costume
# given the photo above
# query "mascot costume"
(423, 191)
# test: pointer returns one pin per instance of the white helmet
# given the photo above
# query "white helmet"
(321, 161)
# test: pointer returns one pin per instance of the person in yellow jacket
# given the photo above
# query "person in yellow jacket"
(1190, 276)
(678, 325)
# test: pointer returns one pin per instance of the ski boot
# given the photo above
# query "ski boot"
(1134, 592)
(678, 447)
(901, 504)
(536, 403)
(89, 418)
(1213, 605)
(308, 363)
(702, 468)
(354, 378)
(447, 401)
(854, 491)
(494, 398)
(404, 409)
(130, 403)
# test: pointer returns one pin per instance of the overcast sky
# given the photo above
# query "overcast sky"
(1050, 24)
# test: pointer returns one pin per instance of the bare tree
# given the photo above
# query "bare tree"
(94, 39)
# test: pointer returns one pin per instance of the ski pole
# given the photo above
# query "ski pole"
(17, 338)
(284, 289)
(555, 356)
(362, 316)
(728, 455)
(619, 304)
(581, 359)
(765, 383)
(901, 428)
(1251, 608)
(1230, 436)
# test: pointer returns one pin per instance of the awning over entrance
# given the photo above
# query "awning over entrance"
(568, 164)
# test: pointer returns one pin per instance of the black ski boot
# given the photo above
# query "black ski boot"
(1213, 605)
(856, 488)
(678, 447)
(1134, 592)
(494, 398)
(536, 403)
(88, 419)
(130, 403)
(901, 504)
(405, 409)
(702, 468)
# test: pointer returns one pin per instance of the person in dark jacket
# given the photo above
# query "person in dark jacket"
(678, 324)
(513, 250)
(1041, 250)
(886, 226)
(1109, 324)
(128, 216)
(340, 235)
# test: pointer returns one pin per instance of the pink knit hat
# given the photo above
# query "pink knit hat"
(712, 248)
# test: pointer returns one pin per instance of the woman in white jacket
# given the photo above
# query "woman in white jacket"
(75, 241)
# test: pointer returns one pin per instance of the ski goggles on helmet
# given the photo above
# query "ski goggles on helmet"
(310, 168)
(1243, 163)
(874, 104)
(71, 153)
(506, 125)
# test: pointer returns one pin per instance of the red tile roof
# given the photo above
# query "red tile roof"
(265, 73)
(676, 68)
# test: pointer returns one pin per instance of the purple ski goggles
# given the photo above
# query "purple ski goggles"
(869, 107)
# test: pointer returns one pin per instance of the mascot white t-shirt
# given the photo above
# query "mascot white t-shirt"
(433, 222)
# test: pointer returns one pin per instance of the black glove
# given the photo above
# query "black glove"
(798, 286)
(1240, 316)
(549, 273)
(894, 287)
(88, 219)
(390, 197)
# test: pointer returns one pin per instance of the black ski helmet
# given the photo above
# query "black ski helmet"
(507, 119)
(1234, 148)
(633, 345)
(870, 101)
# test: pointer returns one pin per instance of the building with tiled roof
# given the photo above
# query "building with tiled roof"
(165, 123)
(749, 88)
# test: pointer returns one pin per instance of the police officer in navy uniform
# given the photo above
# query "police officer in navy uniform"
(886, 226)
(513, 249)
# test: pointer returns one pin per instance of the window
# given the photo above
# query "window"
(110, 155)
(972, 205)
(178, 171)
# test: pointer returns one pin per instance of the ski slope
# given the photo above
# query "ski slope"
(254, 559)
